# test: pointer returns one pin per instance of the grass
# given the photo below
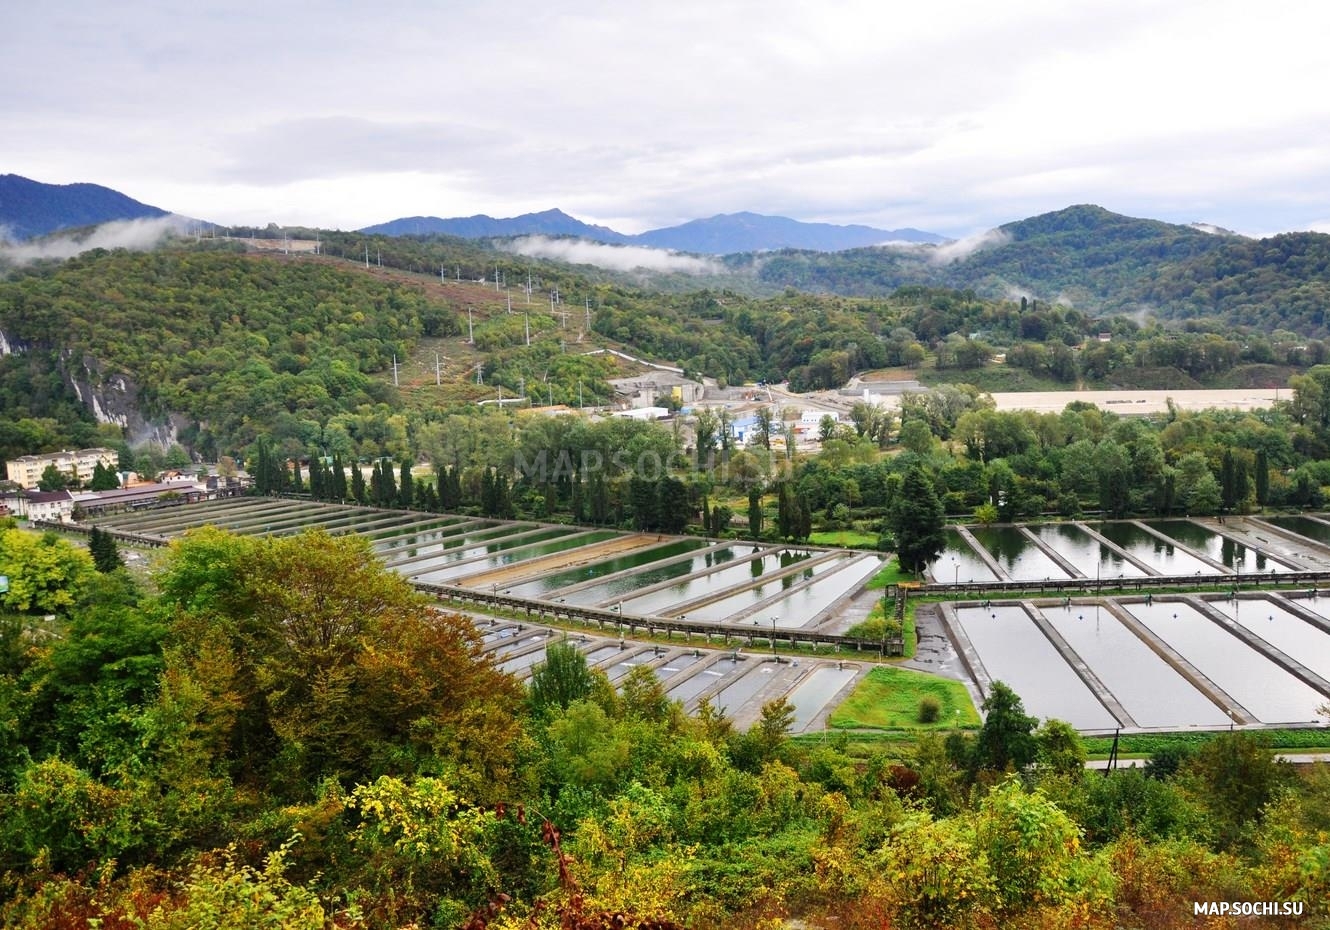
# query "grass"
(1147, 744)
(888, 699)
(849, 539)
(889, 575)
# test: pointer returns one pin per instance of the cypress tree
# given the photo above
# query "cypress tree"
(358, 490)
(754, 513)
(405, 492)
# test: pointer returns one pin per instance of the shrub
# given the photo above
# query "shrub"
(929, 710)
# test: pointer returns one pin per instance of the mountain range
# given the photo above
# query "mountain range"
(30, 208)
(723, 234)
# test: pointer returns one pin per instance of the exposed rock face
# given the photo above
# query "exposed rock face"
(114, 398)
(110, 397)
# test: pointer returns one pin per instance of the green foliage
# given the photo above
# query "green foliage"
(561, 679)
(891, 698)
(916, 522)
(46, 574)
(1006, 739)
(929, 710)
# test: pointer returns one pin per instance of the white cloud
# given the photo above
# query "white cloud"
(612, 257)
(138, 235)
(954, 116)
(950, 252)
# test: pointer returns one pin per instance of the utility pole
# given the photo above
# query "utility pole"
(470, 328)
(528, 330)
(395, 369)
(367, 256)
(480, 373)
(438, 377)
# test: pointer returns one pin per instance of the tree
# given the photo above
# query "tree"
(916, 437)
(46, 574)
(561, 679)
(104, 478)
(405, 492)
(1006, 738)
(52, 479)
(916, 521)
(754, 513)
(1059, 748)
(1262, 477)
(102, 548)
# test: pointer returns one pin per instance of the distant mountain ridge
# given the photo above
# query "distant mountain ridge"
(723, 234)
(31, 208)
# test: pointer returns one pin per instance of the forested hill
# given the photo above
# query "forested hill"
(230, 345)
(1098, 261)
(30, 208)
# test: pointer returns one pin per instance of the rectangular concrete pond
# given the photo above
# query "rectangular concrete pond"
(811, 696)
(1286, 631)
(624, 586)
(958, 563)
(1014, 651)
(1217, 547)
(1315, 530)
(1164, 557)
(1020, 558)
(1147, 687)
(748, 597)
(546, 542)
(1093, 558)
(548, 584)
(660, 602)
(1258, 684)
(799, 608)
(740, 692)
(714, 675)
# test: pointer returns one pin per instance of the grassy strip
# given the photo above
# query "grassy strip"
(888, 699)
(849, 539)
(1147, 744)
(888, 575)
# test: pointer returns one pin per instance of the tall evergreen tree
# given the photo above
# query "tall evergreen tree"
(916, 520)
(358, 490)
(754, 513)
(1262, 477)
(105, 554)
(338, 484)
(405, 491)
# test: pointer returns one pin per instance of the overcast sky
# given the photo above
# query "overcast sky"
(948, 115)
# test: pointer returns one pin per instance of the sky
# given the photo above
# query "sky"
(951, 116)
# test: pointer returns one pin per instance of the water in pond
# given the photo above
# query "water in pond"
(523, 662)
(799, 608)
(1020, 558)
(1146, 547)
(815, 692)
(546, 542)
(599, 655)
(521, 642)
(419, 532)
(1149, 689)
(747, 598)
(624, 586)
(720, 671)
(445, 539)
(622, 668)
(1217, 547)
(661, 601)
(678, 663)
(545, 585)
(1094, 558)
(959, 564)
(465, 546)
(406, 544)
(1014, 651)
(732, 699)
(1270, 693)
(1286, 631)
(1317, 530)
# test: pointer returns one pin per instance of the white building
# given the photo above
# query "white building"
(53, 506)
(26, 470)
